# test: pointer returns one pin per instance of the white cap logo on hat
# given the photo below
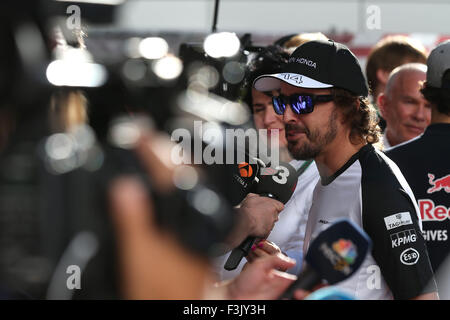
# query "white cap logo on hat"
(271, 82)
(309, 63)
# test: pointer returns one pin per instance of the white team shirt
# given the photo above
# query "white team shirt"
(370, 191)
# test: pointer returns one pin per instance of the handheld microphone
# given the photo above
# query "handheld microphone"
(334, 255)
(278, 184)
(239, 179)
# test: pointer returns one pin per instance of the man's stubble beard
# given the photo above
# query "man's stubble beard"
(315, 142)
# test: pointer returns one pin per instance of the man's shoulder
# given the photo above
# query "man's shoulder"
(405, 149)
(383, 186)
(376, 166)
(309, 173)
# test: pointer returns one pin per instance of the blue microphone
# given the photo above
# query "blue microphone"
(334, 255)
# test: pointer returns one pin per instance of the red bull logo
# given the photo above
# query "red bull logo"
(439, 184)
(431, 212)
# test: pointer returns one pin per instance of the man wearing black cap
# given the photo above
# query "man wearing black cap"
(323, 97)
(425, 163)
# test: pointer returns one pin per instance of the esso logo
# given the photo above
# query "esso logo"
(409, 257)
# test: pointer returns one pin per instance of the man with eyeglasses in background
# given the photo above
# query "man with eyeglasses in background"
(324, 105)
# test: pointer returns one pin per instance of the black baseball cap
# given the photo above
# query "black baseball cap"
(318, 64)
(438, 63)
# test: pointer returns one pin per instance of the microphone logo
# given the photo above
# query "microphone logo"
(342, 255)
(346, 249)
(245, 170)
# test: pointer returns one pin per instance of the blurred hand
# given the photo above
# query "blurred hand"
(256, 217)
(154, 149)
(152, 264)
(301, 294)
(263, 248)
(261, 280)
(260, 214)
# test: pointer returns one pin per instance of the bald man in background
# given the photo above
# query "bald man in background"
(405, 110)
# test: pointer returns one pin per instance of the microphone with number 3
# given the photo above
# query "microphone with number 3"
(278, 184)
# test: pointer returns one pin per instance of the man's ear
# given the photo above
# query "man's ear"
(383, 76)
(381, 103)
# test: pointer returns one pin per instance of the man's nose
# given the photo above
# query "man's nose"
(270, 116)
(422, 112)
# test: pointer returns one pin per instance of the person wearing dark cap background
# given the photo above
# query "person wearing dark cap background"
(425, 163)
(268, 60)
(324, 102)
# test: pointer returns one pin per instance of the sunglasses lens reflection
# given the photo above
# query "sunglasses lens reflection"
(278, 105)
(301, 104)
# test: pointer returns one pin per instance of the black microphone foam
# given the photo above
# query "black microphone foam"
(241, 178)
(335, 255)
(277, 183)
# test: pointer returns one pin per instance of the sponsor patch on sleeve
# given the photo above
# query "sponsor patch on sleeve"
(409, 257)
(403, 237)
(398, 220)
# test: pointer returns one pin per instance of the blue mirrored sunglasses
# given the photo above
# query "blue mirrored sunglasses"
(300, 103)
